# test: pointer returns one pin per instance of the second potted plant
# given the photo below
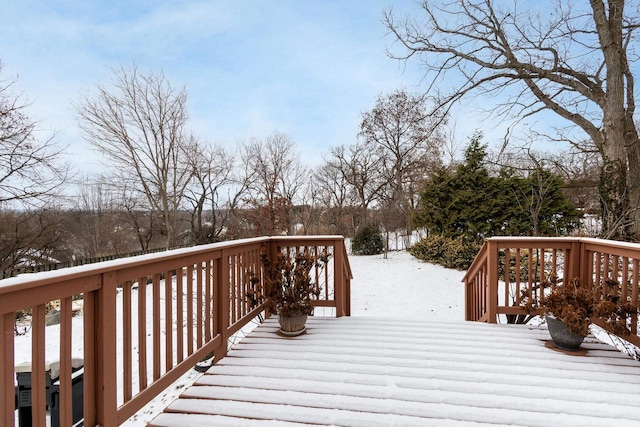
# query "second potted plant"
(569, 309)
(290, 287)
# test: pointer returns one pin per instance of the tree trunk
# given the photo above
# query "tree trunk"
(614, 196)
(633, 155)
(614, 199)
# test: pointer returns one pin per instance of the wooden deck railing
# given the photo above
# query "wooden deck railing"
(135, 346)
(506, 267)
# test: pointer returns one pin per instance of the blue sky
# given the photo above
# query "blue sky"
(306, 68)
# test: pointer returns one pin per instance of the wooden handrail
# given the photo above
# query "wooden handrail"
(348, 275)
(478, 262)
(506, 268)
(203, 293)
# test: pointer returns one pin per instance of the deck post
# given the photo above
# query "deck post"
(7, 402)
(347, 287)
(105, 353)
(90, 323)
(222, 301)
(272, 250)
(575, 259)
(586, 265)
(492, 279)
(467, 301)
(338, 278)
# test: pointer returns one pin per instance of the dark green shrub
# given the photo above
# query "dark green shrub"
(367, 241)
(430, 248)
(451, 252)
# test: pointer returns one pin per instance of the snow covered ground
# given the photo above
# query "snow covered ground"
(398, 286)
(402, 286)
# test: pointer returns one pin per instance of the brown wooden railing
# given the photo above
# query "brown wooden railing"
(508, 268)
(134, 346)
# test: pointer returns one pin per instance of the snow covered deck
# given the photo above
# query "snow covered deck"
(364, 371)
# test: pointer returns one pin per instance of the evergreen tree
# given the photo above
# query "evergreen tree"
(546, 209)
(462, 203)
(470, 202)
(435, 198)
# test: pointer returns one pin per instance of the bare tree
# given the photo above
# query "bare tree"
(28, 238)
(309, 211)
(138, 123)
(237, 193)
(580, 171)
(97, 225)
(31, 171)
(32, 176)
(335, 197)
(278, 176)
(452, 148)
(407, 141)
(572, 60)
(139, 217)
(362, 168)
(212, 171)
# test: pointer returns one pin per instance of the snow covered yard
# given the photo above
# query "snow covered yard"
(402, 286)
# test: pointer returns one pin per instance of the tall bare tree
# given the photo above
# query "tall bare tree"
(32, 176)
(138, 123)
(238, 193)
(96, 226)
(309, 211)
(212, 171)
(407, 140)
(335, 197)
(573, 60)
(278, 176)
(362, 169)
(31, 171)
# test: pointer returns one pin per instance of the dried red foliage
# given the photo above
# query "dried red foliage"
(288, 281)
(577, 304)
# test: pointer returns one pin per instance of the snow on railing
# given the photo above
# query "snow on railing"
(145, 321)
(508, 269)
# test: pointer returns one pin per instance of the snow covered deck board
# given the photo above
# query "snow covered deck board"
(354, 371)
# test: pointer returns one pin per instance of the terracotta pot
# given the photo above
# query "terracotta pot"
(561, 336)
(292, 325)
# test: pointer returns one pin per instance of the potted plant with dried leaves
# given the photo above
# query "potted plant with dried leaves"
(569, 309)
(290, 286)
